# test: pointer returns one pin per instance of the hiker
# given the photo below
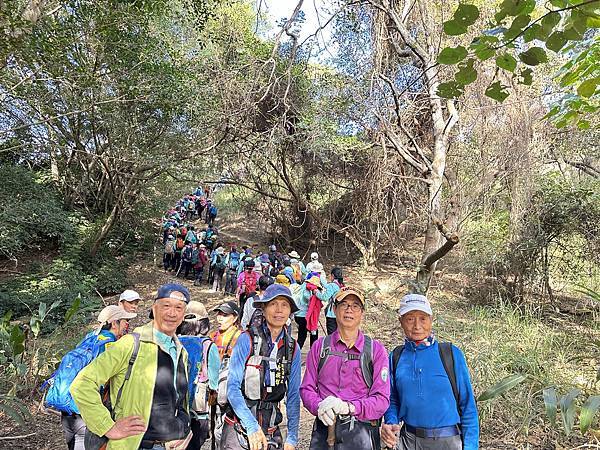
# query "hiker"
(210, 236)
(231, 262)
(129, 300)
(263, 264)
(200, 264)
(435, 404)
(186, 260)
(113, 324)
(147, 372)
(327, 295)
(287, 270)
(218, 268)
(191, 235)
(297, 266)
(212, 211)
(314, 259)
(264, 368)
(203, 365)
(263, 283)
(169, 253)
(306, 294)
(179, 245)
(228, 332)
(346, 381)
(275, 257)
(247, 282)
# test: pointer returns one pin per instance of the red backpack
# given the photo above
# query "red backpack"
(250, 283)
(180, 243)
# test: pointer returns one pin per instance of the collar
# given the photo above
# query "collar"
(359, 344)
(425, 343)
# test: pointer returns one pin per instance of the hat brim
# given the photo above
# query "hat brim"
(343, 294)
(263, 301)
(405, 310)
(225, 310)
(137, 299)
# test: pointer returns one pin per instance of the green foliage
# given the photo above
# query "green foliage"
(31, 214)
(588, 411)
(550, 403)
(501, 387)
(566, 29)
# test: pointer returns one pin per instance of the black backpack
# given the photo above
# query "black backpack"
(447, 357)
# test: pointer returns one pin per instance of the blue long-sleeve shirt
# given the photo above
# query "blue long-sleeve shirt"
(327, 295)
(237, 366)
(421, 394)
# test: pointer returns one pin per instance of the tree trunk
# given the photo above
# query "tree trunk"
(108, 225)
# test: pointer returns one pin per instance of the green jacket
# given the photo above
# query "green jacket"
(138, 392)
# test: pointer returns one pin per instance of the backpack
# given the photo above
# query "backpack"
(58, 395)
(365, 358)
(170, 247)
(250, 283)
(234, 260)
(224, 373)
(199, 401)
(180, 243)
(254, 374)
(195, 256)
(187, 253)
(213, 210)
(447, 357)
(297, 272)
(220, 262)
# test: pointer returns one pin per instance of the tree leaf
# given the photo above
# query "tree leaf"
(450, 55)
(567, 409)
(550, 403)
(588, 87)
(517, 7)
(549, 22)
(583, 124)
(467, 73)
(451, 89)
(466, 14)
(559, 3)
(572, 34)
(588, 411)
(512, 380)
(73, 308)
(454, 28)
(526, 77)
(12, 412)
(507, 62)
(533, 32)
(534, 56)
(556, 41)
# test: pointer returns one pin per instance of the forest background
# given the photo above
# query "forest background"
(435, 146)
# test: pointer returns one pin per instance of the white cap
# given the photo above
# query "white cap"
(129, 296)
(112, 313)
(316, 267)
(414, 302)
(314, 255)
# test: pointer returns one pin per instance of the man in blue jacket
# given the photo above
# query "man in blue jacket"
(436, 407)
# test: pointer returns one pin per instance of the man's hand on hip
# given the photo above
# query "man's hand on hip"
(125, 427)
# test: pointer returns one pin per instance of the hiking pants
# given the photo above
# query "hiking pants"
(348, 436)
(302, 332)
(409, 441)
(331, 324)
(232, 440)
(231, 281)
(186, 268)
(74, 430)
(200, 432)
(218, 279)
(198, 274)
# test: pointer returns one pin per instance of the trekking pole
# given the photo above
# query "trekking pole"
(331, 435)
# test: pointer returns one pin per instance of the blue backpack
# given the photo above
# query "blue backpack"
(234, 260)
(58, 395)
(213, 210)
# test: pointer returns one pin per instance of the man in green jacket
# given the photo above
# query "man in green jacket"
(152, 411)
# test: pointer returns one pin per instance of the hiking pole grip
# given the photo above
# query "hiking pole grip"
(331, 435)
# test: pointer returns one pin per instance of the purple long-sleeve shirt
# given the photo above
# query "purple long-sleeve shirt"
(343, 379)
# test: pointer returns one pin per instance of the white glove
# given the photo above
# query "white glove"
(330, 407)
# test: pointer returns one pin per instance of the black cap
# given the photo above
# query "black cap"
(228, 308)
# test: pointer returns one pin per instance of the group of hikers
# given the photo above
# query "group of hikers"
(174, 384)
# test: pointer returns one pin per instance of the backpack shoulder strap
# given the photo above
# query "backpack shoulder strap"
(133, 357)
(447, 357)
(396, 353)
(325, 350)
(366, 361)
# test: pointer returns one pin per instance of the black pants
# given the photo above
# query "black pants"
(302, 332)
(363, 436)
(200, 433)
(331, 324)
(169, 261)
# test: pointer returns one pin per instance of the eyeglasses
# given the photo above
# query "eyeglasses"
(351, 306)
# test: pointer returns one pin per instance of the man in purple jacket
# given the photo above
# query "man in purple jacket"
(346, 381)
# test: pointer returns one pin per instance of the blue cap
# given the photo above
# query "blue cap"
(276, 290)
(175, 291)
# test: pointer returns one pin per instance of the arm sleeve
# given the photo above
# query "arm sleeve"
(214, 366)
(469, 418)
(376, 403)
(309, 388)
(237, 366)
(293, 399)
(85, 389)
(391, 415)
